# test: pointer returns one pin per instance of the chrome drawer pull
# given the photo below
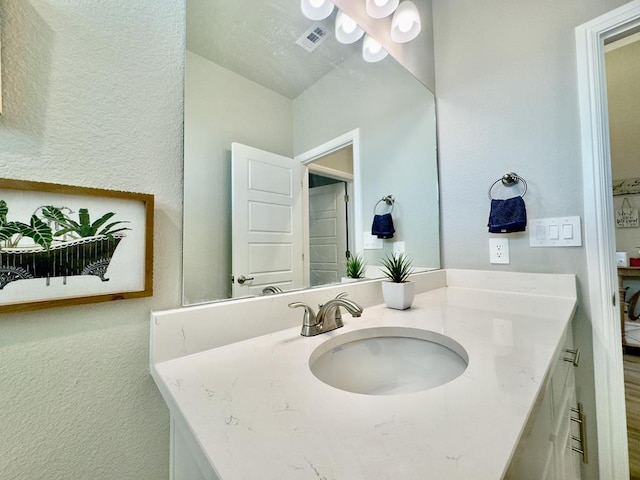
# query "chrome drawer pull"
(575, 359)
(582, 439)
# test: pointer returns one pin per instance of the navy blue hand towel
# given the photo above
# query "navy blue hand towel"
(508, 216)
(382, 226)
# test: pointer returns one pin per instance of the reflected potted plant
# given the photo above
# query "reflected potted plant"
(397, 290)
(355, 268)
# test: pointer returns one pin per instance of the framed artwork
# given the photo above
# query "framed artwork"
(627, 186)
(69, 245)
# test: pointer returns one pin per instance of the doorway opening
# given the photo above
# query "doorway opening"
(622, 62)
(335, 226)
(330, 211)
(603, 295)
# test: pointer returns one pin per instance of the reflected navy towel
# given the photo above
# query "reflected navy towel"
(508, 216)
(382, 226)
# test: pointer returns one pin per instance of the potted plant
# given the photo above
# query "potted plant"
(355, 268)
(397, 291)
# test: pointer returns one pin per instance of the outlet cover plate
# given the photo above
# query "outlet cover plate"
(499, 250)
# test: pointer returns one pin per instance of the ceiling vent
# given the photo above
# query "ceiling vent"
(312, 38)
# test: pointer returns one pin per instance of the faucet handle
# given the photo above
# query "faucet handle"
(342, 295)
(309, 323)
(309, 315)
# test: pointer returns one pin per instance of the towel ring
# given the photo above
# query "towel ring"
(509, 180)
(388, 199)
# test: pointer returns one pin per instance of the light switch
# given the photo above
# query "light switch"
(555, 232)
(371, 242)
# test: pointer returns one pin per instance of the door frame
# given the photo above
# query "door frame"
(599, 235)
(355, 191)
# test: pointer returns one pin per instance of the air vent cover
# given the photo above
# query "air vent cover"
(312, 38)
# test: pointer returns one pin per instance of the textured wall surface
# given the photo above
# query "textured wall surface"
(93, 97)
(507, 101)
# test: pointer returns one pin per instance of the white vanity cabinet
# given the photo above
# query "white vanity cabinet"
(552, 441)
(188, 462)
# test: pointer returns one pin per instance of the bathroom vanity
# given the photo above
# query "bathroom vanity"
(245, 404)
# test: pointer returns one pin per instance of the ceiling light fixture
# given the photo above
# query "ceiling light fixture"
(405, 25)
(381, 8)
(372, 51)
(347, 30)
(316, 9)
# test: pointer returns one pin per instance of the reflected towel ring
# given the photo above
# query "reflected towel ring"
(388, 199)
(509, 180)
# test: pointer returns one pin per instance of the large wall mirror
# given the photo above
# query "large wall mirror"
(308, 127)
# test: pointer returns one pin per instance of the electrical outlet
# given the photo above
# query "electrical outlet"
(499, 250)
(398, 248)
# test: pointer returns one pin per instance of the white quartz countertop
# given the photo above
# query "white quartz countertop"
(257, 411)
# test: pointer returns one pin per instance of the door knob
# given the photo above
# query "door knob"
(242, 279)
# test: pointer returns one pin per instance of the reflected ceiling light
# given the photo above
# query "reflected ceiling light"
(316, 9)
(405, 25)
(372, 51)
(347, 30)
(381, 8)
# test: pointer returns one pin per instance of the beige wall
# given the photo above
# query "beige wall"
(508, 101)
(92, 97)
(623, 96)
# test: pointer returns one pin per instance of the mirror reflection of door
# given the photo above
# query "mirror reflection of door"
(327, 230)
(623, 92)
(267, 241)
(330, 215)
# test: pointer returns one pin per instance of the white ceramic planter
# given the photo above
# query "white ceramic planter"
(398, 295)
(349, 279)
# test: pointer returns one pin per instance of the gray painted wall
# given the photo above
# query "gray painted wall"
(507, 101)
(396, 118)
(221, 107)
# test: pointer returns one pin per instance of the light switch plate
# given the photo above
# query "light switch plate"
(555, 232)
(371, 242)
(398, 248)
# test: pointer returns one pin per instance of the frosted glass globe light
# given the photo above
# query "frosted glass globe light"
(372, 51)
(381, 8)
(405, 24)
(347, 30)
(349, 25)
(316, 9)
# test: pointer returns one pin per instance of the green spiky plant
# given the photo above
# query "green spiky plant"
(396, 267)
(356, 266)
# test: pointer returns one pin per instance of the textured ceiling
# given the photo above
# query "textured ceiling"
(257, 39)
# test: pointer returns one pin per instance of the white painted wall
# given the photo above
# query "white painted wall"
(507, 101)
(92, 95)
(397, 146)
(221, 107)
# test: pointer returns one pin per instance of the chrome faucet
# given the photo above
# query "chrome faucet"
(271, 289)
(329, 316)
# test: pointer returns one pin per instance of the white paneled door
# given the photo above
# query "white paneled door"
(267, 241)
(327, 233)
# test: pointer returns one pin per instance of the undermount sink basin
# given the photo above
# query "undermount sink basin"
(388, 360)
